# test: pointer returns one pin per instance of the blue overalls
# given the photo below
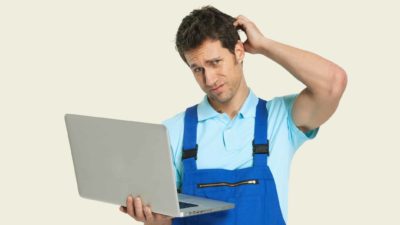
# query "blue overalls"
(252, 189)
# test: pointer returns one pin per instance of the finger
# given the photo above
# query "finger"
(242, 21)
(122, 209)
(148, 214)
(129, 206)
(138, 209)
(236, 22)
(243, 18)
(240, 24)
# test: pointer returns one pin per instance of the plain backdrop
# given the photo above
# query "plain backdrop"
(117, 59)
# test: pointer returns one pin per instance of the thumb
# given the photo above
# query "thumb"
(248, 47)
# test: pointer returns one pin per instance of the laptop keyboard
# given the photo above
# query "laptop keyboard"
(183, 205)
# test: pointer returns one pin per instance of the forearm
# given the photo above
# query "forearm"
(320, 75)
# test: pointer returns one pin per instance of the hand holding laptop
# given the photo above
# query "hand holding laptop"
(142, 213)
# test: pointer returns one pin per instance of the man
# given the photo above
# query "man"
(241, 146)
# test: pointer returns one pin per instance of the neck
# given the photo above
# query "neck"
(232, 107)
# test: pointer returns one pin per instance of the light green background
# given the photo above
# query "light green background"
(117, 59)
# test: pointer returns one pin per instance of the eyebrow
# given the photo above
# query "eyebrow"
(207, 61)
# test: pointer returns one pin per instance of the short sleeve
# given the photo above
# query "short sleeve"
(174, 127)
(296, 136)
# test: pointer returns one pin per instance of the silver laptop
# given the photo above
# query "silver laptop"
(115, 158)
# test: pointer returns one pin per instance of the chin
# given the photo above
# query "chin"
(221, 99)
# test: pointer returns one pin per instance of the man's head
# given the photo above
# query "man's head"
(206, 23)
(210, 45)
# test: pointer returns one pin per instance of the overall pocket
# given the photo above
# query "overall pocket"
(228, 184)
(223, 190)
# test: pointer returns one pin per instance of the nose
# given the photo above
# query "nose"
(210, 77)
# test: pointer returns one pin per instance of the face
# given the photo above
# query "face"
(218, 72)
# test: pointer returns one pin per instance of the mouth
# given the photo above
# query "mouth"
(217, 89)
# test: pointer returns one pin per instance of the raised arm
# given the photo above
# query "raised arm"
(324, 80)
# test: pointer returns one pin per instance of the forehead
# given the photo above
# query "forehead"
(208, 50)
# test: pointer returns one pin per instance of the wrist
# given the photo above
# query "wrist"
(266, 46)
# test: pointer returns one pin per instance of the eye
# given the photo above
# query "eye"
(198, 70)
(216, 62)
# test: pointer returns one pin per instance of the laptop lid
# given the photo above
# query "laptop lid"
(115, 158)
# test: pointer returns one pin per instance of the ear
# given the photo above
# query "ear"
(239, 51)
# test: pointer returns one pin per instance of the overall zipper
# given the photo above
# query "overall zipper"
(221, 184)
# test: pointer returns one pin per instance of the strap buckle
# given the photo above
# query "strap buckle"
(260, 148)
(189, 153)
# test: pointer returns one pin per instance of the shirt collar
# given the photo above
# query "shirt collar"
(206, 111)
(248, 109)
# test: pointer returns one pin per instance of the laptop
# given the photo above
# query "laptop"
(116, 158)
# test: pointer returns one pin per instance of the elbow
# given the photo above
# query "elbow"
(339, 83)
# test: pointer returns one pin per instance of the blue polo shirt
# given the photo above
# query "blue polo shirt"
(227, 144)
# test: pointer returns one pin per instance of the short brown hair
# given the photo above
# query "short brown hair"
(206, 23)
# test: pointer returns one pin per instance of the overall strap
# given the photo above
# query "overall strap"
(189, 151)
(260, 142)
